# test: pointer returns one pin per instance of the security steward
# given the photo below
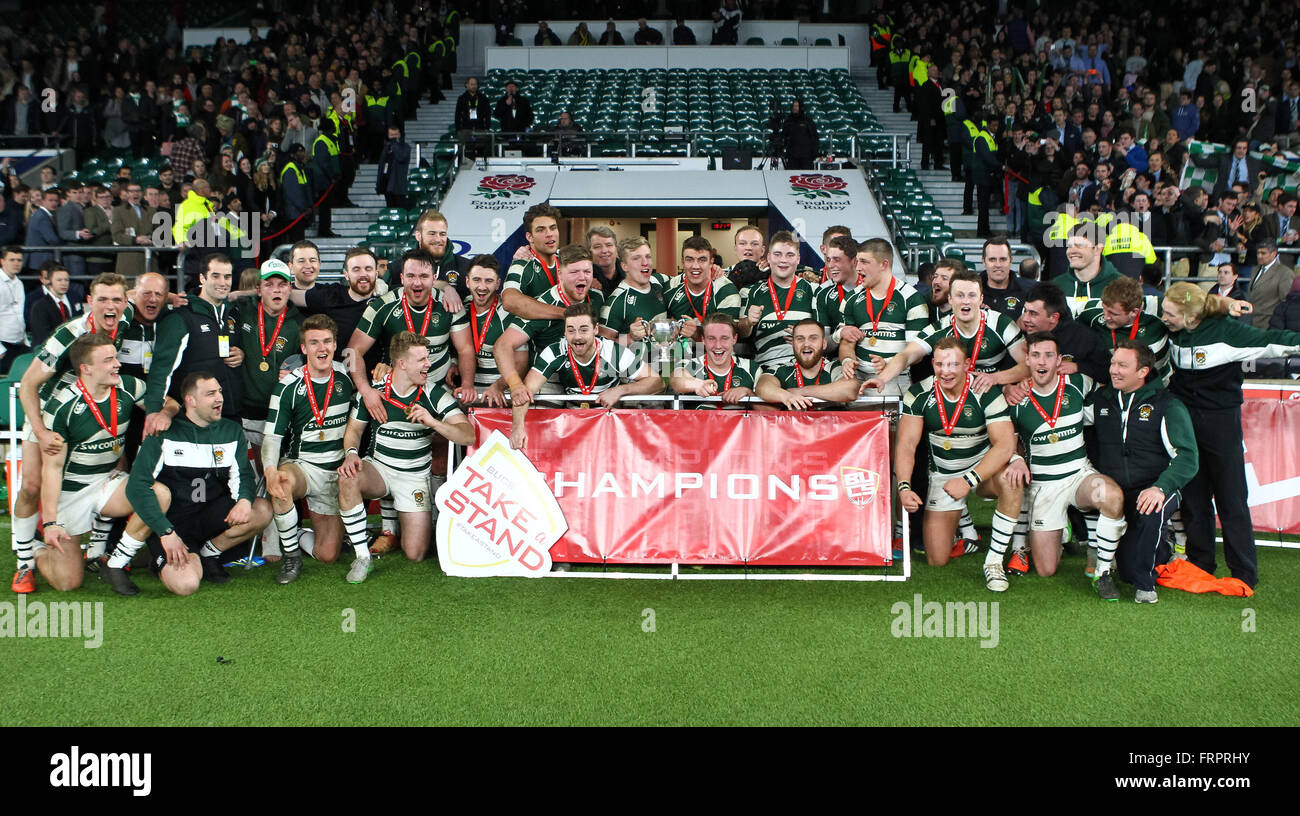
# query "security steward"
(1146, 443)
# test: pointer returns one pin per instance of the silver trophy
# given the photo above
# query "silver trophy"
(664, 335)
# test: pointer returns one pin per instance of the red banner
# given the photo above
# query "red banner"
(1272, 432)
(713, 487)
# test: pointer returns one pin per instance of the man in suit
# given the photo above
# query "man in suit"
(52, 308)
(133, 226)
(1269, 285)
(930, 127)
(1235, 166)
(99, 221)
(1278, 228)
(70, 221)
(41, 230)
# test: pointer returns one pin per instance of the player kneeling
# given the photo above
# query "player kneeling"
(311, 408)
(1059, 468)
(971, 440)
(402, 451)
(91, 418)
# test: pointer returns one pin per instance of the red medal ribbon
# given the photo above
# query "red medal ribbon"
(261, 329)
(406, 313)
(1056, 412)
(577, 375)
(889, 296)
(704, 304)
(388, 395)
(839, 287)
(563, 297)
(798, 373)
(475, 335)
(726, 386)
(90, 327)
(94, 409)
(956, 414)
(1132, 332)
(317, 412)
(979, 342)
(551, 278)
(789, 297)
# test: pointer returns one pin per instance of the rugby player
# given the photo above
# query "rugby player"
(697, 293)
(1120, 315)
(536, 267)
(50, 372)
(718, 372)
(202, 462)
(448, 268)
(841, 273)
(475, 331)
(772, 307)
(810, 376)
(629, 314)
(574, 286)
(310, 408)
(583, 362)
(401, 451)
(347, 301)
(1090, 271)
(81, 481)
(988, 336)
(970, 440)
(1058, 474)
(888, 312)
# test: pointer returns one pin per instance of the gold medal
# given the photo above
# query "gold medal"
(947, 444)
(1053, 438)
(322, 436)
(264, 365)
(584, 405)
(871, 341)
(117, 448)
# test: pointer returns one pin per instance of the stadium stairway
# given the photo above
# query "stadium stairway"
(938, 183)
(351, 223)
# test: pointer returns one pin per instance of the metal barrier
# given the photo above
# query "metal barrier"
(78, 249)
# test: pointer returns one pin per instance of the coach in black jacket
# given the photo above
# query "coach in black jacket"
(1145, 442)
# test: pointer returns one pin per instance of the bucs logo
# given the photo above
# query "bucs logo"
(1144, 411)
(279, 344)
(218, 455)
(1198, 357)
(860, 485)
(419, 497)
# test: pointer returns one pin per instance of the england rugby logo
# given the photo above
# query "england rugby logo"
(505, 186)
(860, 485)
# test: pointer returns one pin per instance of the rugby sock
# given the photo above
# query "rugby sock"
(1109, 532)
(354, 523)
(99, 529)
(966, 527)
(125, 550)
(209, 550)
(271, 539)
(24, 536)
(389, 514)
(287, 525)
(1090, 522)
(1003, 528)
(1019, 542)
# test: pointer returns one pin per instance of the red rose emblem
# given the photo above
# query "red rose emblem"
(817, 181)
(517, 183)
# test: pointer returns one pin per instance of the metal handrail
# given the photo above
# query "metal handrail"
(111, 249)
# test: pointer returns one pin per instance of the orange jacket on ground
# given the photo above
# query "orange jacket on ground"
(1188, 577)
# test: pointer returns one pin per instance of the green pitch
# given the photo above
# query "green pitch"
(433, 650)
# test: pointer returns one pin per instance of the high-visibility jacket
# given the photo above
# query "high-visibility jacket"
(1185, 575)
(1124, 237)
(880, 36)
(193, 209)
(1061, 227)
(920, 71)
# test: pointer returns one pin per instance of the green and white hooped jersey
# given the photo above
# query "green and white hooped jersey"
(290, 417)
(399, 443)
(830, 306)
(969, 442)
(827, 373)
(1150, 330)
(91, 453)
(1001, 335)
(1055, 452)
(54, 352)
(903, 320)
(543, 332)
(772, 348)
(743, 374)
(489, 328)
(722, 297)
(385, 319)
(529, 277)
(627, 305)
(611, 365)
